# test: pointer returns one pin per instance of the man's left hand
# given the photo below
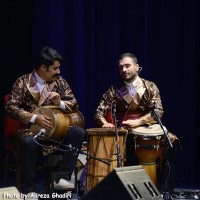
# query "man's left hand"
(131, 123)
(55, 98)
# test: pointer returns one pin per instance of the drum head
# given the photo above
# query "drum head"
(44, 111)
(151, 130)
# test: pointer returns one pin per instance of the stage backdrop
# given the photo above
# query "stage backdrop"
(91, 34)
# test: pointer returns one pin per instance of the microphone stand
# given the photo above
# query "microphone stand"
(166, 194)
(76, 152)
(119, 163)
(156, 116)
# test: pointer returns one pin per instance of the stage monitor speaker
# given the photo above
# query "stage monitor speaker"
(125, 183)
(9, 193)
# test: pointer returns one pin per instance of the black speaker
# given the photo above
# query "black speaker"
(125, 183)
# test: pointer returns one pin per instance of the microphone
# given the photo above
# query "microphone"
(114, 107)
(41, 133)
(154, 110)
(140, 69)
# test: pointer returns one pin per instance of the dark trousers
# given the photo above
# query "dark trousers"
(166, 172)
(166, 175)
(29, 152)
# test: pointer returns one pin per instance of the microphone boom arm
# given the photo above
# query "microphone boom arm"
(157, 117)
(117, 136)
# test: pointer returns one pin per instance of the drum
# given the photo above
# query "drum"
(61, 122)
(102, 144)
(149, 144)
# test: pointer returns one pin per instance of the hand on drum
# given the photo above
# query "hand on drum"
(55, 98)
(131, 123)
(108, 125)
(44, 122)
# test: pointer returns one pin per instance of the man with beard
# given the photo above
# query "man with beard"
(43, 87)
(134, 99)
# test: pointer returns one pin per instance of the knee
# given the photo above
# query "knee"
(78, 131)
(27, 142)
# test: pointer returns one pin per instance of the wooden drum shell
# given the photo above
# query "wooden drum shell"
(61, 121)
(102, 144)
(149, 146)
(149, 143)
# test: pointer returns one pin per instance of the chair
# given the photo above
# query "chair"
(11, 126)
(11, 161)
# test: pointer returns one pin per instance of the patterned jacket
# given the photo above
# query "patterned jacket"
(128, 107)
(139, 106)
(25, 98)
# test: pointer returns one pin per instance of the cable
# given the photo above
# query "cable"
(49, 146)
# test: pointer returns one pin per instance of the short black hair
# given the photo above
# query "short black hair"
(131, 55)
(47, 57)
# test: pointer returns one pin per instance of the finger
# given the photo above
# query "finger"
(48, 125)
(47, 118)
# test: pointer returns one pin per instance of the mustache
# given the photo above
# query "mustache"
(55, 75)
(124, 73)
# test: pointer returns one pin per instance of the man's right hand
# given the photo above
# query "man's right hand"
(44, 122)
(108, 125)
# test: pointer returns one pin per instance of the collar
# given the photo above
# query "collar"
(38, 79)
(133, 84)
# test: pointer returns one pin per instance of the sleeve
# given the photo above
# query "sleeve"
(15, 107)
(104, 107)
(67, 96)
(152, 97)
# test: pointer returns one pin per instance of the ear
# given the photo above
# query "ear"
(137, 68)
(43, 68)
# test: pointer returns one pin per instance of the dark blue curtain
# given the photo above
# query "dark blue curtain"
(91, 34)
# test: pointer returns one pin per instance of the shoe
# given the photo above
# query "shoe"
(32, 196)
(63, 185)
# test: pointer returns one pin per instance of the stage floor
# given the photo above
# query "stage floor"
(182, 192)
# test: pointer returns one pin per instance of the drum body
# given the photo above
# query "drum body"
(61, 122)
(102, 145)
(149, 145)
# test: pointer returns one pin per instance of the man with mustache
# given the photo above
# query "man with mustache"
(134, 99)
(43, 87)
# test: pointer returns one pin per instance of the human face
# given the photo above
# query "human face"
(53, 71)
(128, 69)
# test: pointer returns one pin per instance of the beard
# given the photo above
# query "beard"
(128, 77)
